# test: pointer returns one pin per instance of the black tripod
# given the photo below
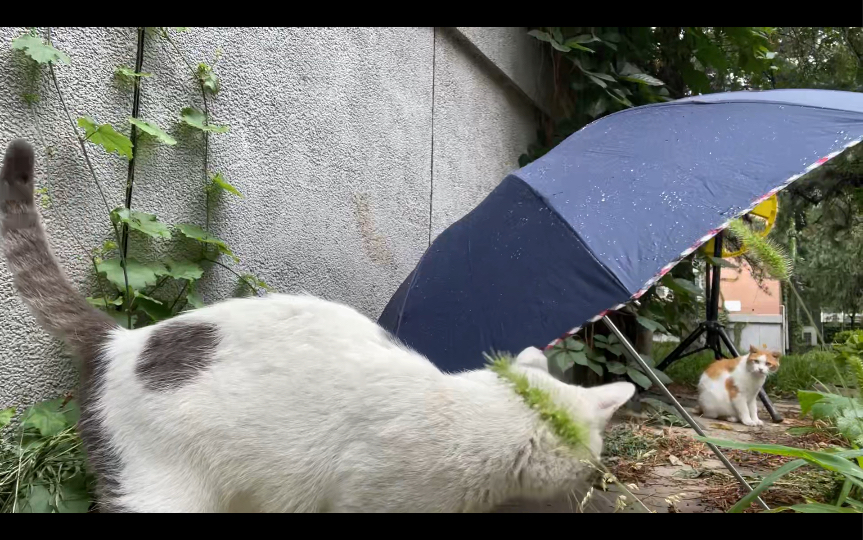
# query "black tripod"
(715, 331)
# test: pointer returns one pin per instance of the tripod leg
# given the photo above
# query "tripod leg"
(762, 395)
(774, 414)
(678, 351)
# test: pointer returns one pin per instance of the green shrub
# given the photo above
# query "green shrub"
(843, 335)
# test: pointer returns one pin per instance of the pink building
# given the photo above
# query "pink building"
(759, 307)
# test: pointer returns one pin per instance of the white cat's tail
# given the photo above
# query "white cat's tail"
(59, 308)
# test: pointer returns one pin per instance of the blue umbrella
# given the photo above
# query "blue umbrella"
(595, 222)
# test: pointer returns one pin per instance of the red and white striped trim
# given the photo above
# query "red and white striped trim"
(701, 241)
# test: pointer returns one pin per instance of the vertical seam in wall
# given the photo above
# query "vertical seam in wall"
(431, 166)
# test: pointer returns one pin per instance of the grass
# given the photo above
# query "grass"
(42, 463)
(796, 372)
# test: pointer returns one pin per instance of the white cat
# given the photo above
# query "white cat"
(291, 403)
(729, 388)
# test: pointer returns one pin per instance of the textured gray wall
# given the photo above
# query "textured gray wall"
(353, 147)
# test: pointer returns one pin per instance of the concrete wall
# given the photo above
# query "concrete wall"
(353, 147)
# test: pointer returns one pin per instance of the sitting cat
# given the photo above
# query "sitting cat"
(292, 403)
(729, 388)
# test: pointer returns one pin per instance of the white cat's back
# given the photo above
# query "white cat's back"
(357, 410)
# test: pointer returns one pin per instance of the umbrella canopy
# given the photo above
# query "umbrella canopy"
(600, 218)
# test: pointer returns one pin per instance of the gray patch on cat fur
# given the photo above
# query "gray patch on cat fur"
(100, 452)
(175, 353)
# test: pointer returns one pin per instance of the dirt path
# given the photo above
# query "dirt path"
(675, 473)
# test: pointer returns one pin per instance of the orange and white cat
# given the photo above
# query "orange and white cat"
(729, 388)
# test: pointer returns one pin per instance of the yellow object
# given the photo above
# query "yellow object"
(766, 211)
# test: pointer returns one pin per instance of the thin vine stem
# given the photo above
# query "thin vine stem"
(133, 136)
(231, 270)
(81, 143)
(194, 73)
(179, 296)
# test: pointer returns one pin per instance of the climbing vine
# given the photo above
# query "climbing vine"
(140, 292)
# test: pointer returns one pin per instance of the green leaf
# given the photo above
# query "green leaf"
(650, 324)
(143, 222)
(155, 309)
(257, 282)
(643, 78)
(831, 462)
(573, 44)
(622, 100)
(597, 108)
(597, 356)
(844, 492)
(141, 275)
(616, 367)
(638, 377)
(603, 76)
(615, 349)
(154, 130)
(73, 497)
(121, 319)
(577, 358)
(219, 182)
(46, 418)
(648, 360)
(817, 508)
(187, 270)
(540, 35)
(583, 38)
(597, 81)
(557, 34)
(194, 298)
(196, 233)
(197, 120)
(130, 73)
(39, 50)
(680, 285)
(596, 367)
(830, 404)
(139, 295)
(6, 416)
(768, 481)
(663, 378)
(562, 360)
(105, 136)
(100, 301)
(600, 338)
(208, 79)
(37, 501)
(559, 47)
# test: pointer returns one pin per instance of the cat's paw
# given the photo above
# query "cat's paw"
(750, 423)
(732, 419)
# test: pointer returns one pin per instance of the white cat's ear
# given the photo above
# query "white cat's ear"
(532, 357)
(608, 398)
